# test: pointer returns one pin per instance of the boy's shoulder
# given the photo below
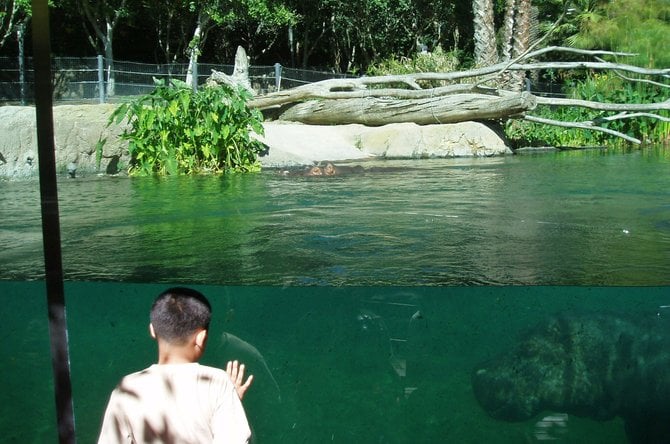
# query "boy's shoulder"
(159, 371)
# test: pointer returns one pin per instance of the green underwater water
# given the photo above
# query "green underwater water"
(323, 356)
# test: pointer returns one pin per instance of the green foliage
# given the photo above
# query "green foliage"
(522, 133)
(436, 61)
(602, 88)
(251, 22)
(13, 16)
(264, 14)
(636, 26)
(100, 144)
(176, 131)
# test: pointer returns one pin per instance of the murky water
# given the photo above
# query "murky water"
(362, 303)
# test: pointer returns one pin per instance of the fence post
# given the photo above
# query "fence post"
(278, 76)
(101, 78)
(194, 78)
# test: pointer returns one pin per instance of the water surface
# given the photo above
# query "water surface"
(572, 218)
(320, 280)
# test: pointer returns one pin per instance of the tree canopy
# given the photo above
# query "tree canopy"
(634, 26)
(14, 15)
(338, 34)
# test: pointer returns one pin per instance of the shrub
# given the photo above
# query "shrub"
(174, 130)
(436, 61)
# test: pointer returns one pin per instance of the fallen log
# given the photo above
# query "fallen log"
(428, 98)
(377, 111)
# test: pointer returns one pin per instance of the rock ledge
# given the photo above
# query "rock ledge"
(79, 128)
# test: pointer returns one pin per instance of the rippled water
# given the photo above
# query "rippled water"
(370, 298)
(583, 218)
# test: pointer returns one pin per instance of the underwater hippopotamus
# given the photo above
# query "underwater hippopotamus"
(597, 366)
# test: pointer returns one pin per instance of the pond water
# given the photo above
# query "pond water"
(572, 218)
(362, 302)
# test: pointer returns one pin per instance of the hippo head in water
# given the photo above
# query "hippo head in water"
(327, 170)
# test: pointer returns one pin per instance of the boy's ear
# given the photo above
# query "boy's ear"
(151, 330)
(201, 338)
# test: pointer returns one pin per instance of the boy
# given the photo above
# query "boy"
(178, 400)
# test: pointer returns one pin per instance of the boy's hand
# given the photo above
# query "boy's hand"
(236, 372)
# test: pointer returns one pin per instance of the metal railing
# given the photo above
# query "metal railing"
(89, 79)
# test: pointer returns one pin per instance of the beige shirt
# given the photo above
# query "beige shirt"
(175, 403)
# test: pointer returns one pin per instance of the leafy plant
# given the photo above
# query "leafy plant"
(100, 144)
(176, 131)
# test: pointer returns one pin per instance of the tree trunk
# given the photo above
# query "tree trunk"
(486, 52)
(377, 111)
(20, 39)
(198, 40)
(521, 40)
(7, 19)
(109, 18)
(507, 30)
(291, 45)
(109, 57)
(507, 38)
(194, 51)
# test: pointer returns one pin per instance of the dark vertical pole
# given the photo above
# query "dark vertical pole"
(60, 355)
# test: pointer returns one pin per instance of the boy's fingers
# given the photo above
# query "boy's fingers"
(249, 381)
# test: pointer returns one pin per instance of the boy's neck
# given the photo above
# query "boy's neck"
(174, 360)
(173, 354)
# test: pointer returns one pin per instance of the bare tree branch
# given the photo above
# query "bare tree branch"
(378, 100)
(605, 106)
(600, 66)
(626, 115)
(582, 125)
(587, 52)
(630, 79)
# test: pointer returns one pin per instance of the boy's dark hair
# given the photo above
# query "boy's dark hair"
(179, 312)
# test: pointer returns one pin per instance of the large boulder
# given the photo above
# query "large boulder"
(300, 144)
(80, 129)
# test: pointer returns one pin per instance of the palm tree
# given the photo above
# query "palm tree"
(486, 52)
